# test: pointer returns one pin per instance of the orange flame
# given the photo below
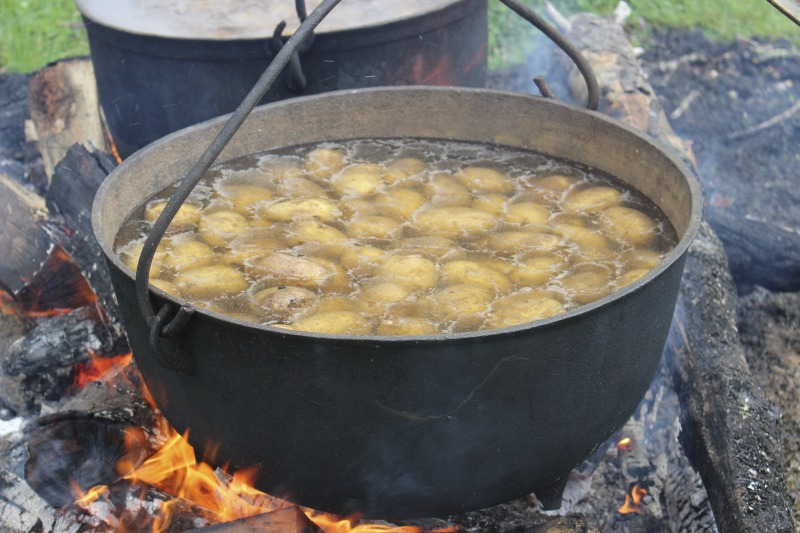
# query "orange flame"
(85, 499)
(96, 368)
(625, 444)
(174, 470)
(633, 499)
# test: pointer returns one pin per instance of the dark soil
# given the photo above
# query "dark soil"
(717, 95)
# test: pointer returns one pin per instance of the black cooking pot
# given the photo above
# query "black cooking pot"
(411, 426)
(193, 66)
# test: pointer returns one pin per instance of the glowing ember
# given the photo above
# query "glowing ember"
(96, 368)
(633, 499)
(625, 445)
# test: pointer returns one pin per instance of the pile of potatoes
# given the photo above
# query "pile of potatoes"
(328, 243)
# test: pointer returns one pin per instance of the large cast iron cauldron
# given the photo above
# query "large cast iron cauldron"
(163, 65)
(412, 426)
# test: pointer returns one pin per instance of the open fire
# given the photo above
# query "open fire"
(174, 470)
(640, 481)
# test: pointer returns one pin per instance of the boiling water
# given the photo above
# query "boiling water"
(401, 237)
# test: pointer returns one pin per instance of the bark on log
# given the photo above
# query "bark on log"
(24, 244)
(734, 431)
(64, 107)
(75, 182)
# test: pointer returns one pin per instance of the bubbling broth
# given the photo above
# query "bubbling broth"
(400, 237)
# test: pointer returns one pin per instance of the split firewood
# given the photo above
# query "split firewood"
(64, 107)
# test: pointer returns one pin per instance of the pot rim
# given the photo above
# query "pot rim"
(674, 255)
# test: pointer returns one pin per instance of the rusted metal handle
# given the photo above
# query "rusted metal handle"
(168, 321)
(574, 54)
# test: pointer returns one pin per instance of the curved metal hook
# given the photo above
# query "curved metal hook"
(165, 322)
(574, 54)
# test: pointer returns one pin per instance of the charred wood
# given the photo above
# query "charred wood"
(291, 520)
(24, 243)
(21, 509)
(772, 262)
(74, 450)
(75, 181)
(730, 430)
(44, 358)
(13, 112)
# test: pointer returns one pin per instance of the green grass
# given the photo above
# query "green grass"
(511, 39)
(36, 32)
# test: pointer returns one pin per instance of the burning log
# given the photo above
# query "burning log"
(72, 452)
(70, 196)
(291, 520)
(23, 510)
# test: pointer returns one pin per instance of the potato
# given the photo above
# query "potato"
(549, 189)
(373, 227)
(527, 213)
(242, 196)
(322, 163)
(310, 273)
(513, 243)
(402, 169)
(587, 284)
(362, 260)
(188, 215)
(491, 203)
(460, 272)
(642, 258)
(356, 207)
(411, 271)
(281, 168)
(166, 286)
(630, 276)
(378, 297)
(284, 303)
(329, 241)
(442, 191)
(537, 270)
(336, 302)
(588, 244)
(432, 246)
(254, 243)
(131, 253)
(218, 228)
(522, 307)
(358, 181)
(335, 322)
(299, 187)
(290, 209)
(484, 180)
(189, 254)
(495, 263)
(454, 222)
(462, 307)
(591, 199)
(399, 203)
(395, 326)
(210, 281)
(628, 224)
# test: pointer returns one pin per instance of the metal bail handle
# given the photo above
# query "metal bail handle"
(168, 322)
